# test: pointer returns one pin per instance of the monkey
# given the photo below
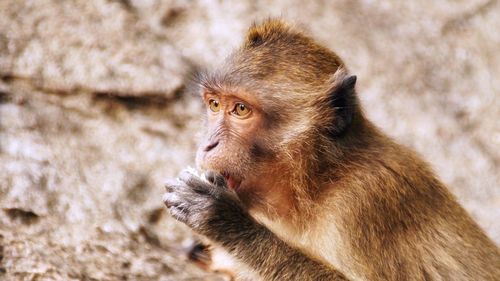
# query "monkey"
(300, 185)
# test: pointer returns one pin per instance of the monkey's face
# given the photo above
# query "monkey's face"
(231, 145)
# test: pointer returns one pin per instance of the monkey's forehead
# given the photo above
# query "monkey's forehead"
(284, 85)
(242, 83)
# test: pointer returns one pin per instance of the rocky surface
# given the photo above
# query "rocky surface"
(97, 46)
(94, 114)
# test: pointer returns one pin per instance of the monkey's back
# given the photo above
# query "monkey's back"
(399, 222)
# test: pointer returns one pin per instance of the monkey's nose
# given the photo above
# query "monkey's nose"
(211, 146)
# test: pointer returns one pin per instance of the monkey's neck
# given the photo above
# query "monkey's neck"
(318, 167)
(294, 185)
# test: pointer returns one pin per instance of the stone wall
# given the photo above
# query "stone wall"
(95, 113)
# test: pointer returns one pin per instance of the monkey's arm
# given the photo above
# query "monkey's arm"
(272, 258)
(215, 211)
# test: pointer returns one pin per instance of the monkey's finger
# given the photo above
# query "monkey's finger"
(171, 185)
(197, 184)
(171, 199)
(215, 178)
(179, 213)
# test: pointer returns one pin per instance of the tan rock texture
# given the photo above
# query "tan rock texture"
(95, 113)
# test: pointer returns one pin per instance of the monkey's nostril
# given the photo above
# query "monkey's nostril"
(211, 146)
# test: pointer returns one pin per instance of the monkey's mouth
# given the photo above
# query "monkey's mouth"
(232, 181)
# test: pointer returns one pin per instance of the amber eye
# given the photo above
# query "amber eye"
(241, 110)
(214, 105)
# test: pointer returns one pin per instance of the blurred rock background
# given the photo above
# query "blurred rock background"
(94, 114)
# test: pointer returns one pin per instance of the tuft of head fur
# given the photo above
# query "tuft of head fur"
(275, 48)
(271, 29)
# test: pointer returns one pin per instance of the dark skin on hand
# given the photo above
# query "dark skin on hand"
(301, 186)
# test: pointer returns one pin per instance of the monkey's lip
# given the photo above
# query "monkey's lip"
(232, 181)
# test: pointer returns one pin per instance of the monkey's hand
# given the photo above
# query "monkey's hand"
(204, 205)
(212, 209)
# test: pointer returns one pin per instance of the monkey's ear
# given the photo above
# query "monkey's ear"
(349, 82)
(342, 99)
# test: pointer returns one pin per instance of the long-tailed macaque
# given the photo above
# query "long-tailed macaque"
(301, 186)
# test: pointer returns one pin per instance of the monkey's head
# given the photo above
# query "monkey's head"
(273, 106)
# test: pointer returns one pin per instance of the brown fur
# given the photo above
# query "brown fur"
(350, 198)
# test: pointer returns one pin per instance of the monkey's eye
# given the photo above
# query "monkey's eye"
(214, 105)
(241, 110)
